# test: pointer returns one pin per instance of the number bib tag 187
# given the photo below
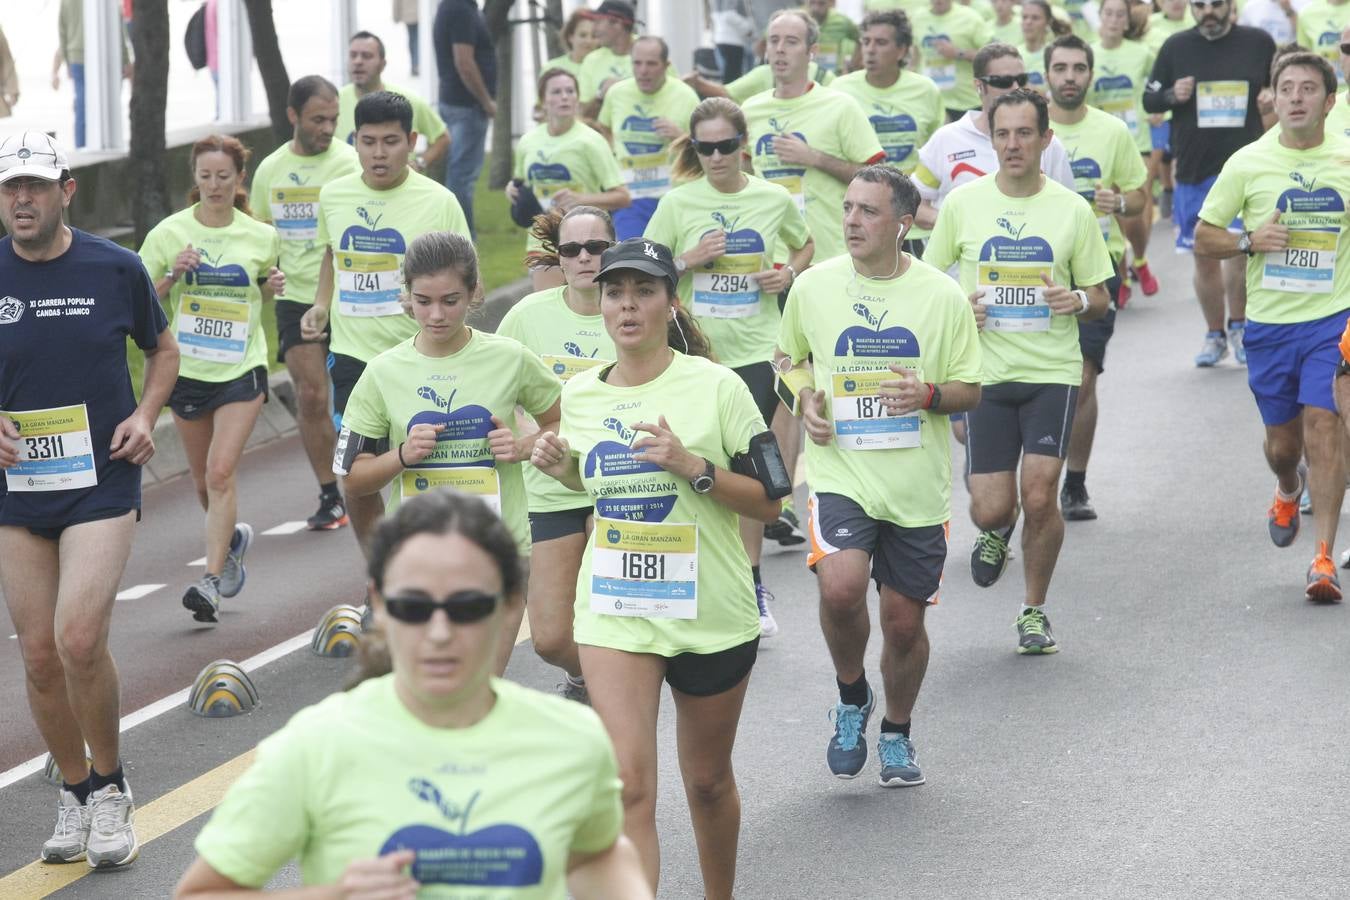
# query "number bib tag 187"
(860, 418)
(369, 284)
(1221, 104)
(1014, 296)
(477, 481)
(728, 291)
(295, 212)
(646, 175)
(213, 329)
(644, 569)
(1306, 266)
(56, 452)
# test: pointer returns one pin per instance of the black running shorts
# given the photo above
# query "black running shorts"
(1015, 418)
(909, 561)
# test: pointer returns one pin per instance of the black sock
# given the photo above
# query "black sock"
(854, 694)
(754, 573)
(329, 491)
(889, 727)
(1074, 479)
(97, 781)
(80, 790)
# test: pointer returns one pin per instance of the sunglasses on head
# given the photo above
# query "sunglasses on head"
(594, 248)
(1003, 82)
(726, 148)
(461, 607)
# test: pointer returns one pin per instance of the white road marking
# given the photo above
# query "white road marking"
(288, 528)
(159, 707)
(137, 592)
(197, 562)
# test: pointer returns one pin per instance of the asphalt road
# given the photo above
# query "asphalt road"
(1187, 741)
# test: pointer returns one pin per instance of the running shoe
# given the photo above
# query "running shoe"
(203, 598)
(899, 763)
(233, 575)
(1147, 282)
(1282, 517)
(71, 837)
(1165, 204)
(990, 556)
(1034, 634)
(1123, 294)
(1323, 585)
(1305, 502)
(847, 751)
(574, 690)
(112, 838)
(332, 514)
(787, 531)
(1236, 332)
(768, 625)
(1075, 505)
(1214, 349)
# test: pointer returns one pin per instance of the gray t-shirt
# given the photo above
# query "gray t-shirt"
(761, 10)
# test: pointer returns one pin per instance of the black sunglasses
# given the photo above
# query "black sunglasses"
(1345, 49)
(461, 607)
(1003, 82)
(1211, 4)
(726, 148)
(594, 248)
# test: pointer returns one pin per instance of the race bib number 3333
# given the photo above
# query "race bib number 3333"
(56, 452)
(645, 569)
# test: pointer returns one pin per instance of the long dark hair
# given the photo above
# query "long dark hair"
(238, 154)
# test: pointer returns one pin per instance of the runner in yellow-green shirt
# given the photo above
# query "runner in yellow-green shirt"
(563, 325)
(1290, 193)
(1338, 120)
(805, 137)
(665, 592)
(1320, 25)
(1007, 25)
(1033, 260)
(365, 65)
(285, 192)
(1040, 26)
(722, 225)
(893, 353)
(530, 808)
(366, 222)
(578, 37)
(838, 36)
(1109, 174)
(438, 410)
(948, 35)
(214, 266)
(644, 114)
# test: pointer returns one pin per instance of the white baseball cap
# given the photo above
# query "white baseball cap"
(32, 154)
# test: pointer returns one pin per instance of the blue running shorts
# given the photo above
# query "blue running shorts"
(1187, 199)
(1293, 366)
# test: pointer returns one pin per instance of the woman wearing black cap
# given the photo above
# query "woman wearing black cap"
(665, 591)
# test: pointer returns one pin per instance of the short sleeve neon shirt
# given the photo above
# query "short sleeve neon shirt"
(642, 154)
(1118, 79)
(967, 30)
(578, 160)
(904, 115)
(1319, 29)
(1102, 152)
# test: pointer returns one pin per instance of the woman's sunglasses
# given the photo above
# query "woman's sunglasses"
(726, 148)
(594, 248)
(461, 607)
(1003, 82)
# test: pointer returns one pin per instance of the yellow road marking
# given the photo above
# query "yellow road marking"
(154, 820)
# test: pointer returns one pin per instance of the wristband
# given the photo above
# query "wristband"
(932, 392)
(934, 397)
(793, 271)
(1086, 303)
(1120, 204)
(400, 456)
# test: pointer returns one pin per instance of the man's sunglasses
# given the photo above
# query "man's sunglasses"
(594, 248)
(726, 148)
(461, 607)
(1003, 82)
(1345, 49)
(1208, 4)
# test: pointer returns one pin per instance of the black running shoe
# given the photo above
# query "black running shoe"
(787, 531)
(989, 557)
(1075, 505)
(332, 514)
(1033, 633)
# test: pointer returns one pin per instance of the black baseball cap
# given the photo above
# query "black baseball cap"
(641, 255)
(616, 9)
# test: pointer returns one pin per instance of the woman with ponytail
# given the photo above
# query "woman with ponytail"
(215, 266)
(1040, 26)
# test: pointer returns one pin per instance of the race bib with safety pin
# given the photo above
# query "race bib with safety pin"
(1221, 104)
(295, 212)
(728, 290)
(476, 481)
(1014, 296)
(213, 329)
(369, 284)
(644, 569)
(56, 452)
(1306, 266)
(860, 418)
(646, 175)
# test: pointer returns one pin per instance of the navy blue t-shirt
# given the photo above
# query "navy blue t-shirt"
(462, 22)
(63, 330)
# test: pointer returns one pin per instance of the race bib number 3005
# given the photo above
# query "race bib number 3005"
(1014, 296)
(645, 569)
(56, 452)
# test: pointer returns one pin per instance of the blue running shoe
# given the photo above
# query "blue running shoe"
(1236, 332)
(1214, 349)
(899, 765)
(232, 575)
(847, 752)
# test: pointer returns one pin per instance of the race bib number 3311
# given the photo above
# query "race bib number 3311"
(56, 452)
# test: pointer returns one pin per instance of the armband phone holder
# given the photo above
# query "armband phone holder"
(764, 462)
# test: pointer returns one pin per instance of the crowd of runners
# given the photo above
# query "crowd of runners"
(891, 232)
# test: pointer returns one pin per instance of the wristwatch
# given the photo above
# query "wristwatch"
(1120, 204)
(1244, 243)
(703, 483)
(680, 266)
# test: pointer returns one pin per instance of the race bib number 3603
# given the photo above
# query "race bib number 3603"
(56, 452)
(212, 329)
(645, 569)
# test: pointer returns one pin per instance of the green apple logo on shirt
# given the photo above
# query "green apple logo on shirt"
(770, 165)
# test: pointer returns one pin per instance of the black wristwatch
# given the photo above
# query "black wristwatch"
(703, 482)
(1244, 243)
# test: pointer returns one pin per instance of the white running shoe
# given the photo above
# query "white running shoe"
(112, 838)
(768, 625)
(71, 837)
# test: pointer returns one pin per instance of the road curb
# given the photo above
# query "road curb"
(278, 418)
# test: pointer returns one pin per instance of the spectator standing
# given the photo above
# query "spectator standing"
(405, 12)
(467, 64)
(9, 79)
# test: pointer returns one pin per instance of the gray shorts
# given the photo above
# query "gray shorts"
(1015, 418)
(906, 560)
